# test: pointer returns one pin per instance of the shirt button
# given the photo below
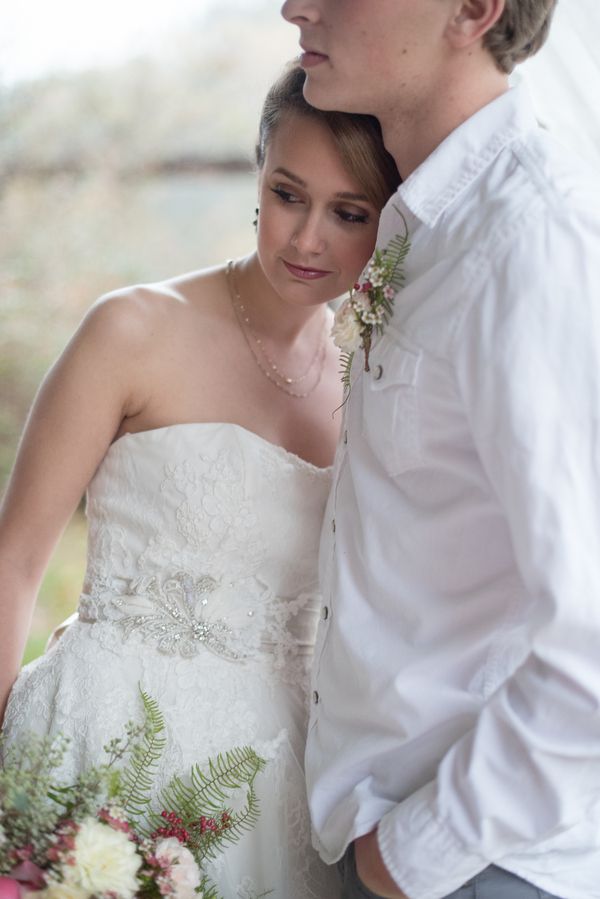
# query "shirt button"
(325, 613)
(378, 372)
(345, 437)
(333, 525)
(316, 697)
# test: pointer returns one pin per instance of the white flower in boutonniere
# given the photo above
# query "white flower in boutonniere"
(347, 331)
(370, 303)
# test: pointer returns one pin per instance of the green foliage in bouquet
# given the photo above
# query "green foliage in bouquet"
(40, 816)
(209, 794)
(28, 816)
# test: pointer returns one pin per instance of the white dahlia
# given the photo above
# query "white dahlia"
(104, 861)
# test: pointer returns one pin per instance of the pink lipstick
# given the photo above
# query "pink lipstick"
(307, 274)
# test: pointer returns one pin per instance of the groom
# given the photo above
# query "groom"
(454, 746)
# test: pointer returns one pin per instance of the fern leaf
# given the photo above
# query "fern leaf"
(208, 890)
(209, 844)
(346, 368)
(396, 252)
(208, 794)
(138, 777)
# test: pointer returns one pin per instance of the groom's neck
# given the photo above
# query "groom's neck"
(414, 126)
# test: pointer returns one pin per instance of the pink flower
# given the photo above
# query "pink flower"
(26, 876)
(183, 872)
(9, 888)
(116, 823)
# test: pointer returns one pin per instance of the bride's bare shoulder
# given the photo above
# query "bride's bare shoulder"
(201, 291)
(142, 312)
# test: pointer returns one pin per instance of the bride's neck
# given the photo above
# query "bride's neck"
(271, 316)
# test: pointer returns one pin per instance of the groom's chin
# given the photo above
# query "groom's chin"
(324, 89)
(316, 94)
(321, 96)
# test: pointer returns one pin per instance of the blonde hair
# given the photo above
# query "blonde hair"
(519, 32)
(358, 137)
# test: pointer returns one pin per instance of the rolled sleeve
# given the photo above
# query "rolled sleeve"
(420, 851)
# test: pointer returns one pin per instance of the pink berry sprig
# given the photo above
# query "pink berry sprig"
(173, 828)
(212, 825)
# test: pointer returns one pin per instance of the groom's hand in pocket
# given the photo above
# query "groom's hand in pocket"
(371, 869)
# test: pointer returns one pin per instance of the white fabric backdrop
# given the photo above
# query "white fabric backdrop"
(564, 77)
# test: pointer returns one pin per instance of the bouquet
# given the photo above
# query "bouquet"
(103, 837)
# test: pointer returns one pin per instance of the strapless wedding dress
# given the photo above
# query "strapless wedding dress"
(201, 586)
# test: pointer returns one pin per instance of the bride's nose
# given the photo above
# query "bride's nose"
(309, 238)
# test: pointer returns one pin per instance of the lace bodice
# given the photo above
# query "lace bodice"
(204, 537)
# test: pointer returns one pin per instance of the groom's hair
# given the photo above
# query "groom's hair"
(519, 32)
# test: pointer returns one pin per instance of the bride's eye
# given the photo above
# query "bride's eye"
(285, 195)
(352, 218)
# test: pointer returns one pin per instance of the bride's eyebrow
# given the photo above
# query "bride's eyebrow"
(356, 198)
(343, 195)
(287, 174)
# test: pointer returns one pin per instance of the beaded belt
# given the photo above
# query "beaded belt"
(182, 614)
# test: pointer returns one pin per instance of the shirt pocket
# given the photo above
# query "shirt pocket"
(390, 420)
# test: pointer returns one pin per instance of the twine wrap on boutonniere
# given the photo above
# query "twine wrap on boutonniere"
(369, 306)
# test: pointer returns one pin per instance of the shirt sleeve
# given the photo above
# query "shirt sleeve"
(527, 362)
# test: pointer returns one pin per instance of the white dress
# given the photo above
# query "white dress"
(201, 586)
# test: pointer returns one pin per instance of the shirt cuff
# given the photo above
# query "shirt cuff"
(422, 855)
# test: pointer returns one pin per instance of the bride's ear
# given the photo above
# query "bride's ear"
(472, 20)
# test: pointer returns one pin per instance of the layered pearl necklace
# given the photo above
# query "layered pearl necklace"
(260, 355)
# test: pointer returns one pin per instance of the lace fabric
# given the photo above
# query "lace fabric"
(201, 586)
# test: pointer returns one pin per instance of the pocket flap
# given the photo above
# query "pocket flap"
(399, 364)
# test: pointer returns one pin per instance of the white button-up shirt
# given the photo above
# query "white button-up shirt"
(457, 673)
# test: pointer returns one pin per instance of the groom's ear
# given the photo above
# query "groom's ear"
(472, 19)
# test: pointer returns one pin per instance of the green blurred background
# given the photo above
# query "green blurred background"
(127, 172)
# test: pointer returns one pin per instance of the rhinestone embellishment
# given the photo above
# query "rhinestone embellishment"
(170, 614)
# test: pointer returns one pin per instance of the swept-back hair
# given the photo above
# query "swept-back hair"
(519, 32)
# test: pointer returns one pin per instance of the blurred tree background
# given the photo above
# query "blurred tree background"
(120, 174)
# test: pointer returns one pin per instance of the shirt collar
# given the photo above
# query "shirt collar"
(464, 154)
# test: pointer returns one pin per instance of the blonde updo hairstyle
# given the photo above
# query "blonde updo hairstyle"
(358, 137)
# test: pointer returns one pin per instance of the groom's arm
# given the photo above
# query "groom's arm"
(527, 362)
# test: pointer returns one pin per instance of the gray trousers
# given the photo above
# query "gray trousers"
(492, 883)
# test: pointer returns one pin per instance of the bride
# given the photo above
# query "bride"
(197, 413)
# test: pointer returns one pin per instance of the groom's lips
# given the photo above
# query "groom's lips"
(310, 58)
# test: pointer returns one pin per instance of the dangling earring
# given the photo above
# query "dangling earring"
(255, 222)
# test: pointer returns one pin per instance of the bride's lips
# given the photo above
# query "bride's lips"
(307, 274)
(310, 58)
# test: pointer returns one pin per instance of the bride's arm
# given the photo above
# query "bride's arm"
(75, 416)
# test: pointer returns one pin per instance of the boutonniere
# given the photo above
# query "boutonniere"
(369, 305)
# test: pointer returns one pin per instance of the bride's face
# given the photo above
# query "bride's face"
(316, 228)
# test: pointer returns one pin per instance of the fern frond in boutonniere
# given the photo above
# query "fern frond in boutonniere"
(370, 304)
